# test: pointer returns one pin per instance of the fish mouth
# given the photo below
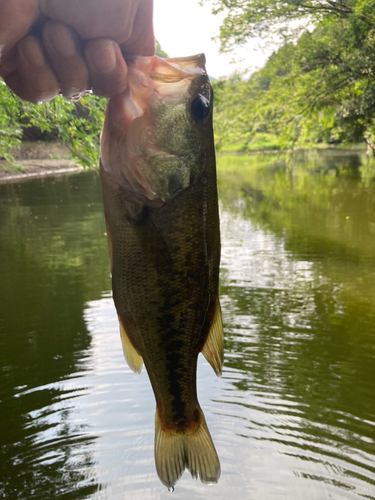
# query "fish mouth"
(128, 137)
(178, 67)
(153, 76)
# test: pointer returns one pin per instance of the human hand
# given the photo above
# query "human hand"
(36, 68)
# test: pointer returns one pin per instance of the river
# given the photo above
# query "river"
(293, 415)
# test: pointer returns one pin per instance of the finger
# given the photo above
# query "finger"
(142, 40)
(124, 21)
(35, 81)
(93, 18)
(9, 63)
(107, 68)
(17, 17)
(68, 65)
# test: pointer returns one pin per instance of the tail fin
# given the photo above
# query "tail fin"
(190, 448)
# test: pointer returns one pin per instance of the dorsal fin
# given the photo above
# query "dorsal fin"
(213, 349)
(133, 359)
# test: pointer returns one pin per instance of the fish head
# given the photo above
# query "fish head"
(158, 134)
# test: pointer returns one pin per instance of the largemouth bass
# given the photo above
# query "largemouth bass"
(160, 200)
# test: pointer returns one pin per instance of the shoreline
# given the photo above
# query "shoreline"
(36, 161)
(37, 168)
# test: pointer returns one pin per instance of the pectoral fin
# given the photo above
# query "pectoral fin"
(213, 349)
(133, 359)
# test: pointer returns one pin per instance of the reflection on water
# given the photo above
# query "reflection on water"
(293, 414)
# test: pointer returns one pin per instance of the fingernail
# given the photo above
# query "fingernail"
(104, 57)
(30, 49)
(77, 96)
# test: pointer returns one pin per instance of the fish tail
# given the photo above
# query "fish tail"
(189, 448)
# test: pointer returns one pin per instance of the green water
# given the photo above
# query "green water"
(293, 414)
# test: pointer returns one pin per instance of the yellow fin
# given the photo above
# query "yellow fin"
(190, 448)
(213, 349)
(133, 359)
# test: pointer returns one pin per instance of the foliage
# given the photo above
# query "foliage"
(10, 129)
(274, 19)
(319, 88)
(78, 124)
(159, 51)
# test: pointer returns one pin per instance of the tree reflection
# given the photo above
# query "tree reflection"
(298, 301)
(53, 259)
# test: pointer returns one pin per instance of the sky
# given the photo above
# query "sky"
(185, 28)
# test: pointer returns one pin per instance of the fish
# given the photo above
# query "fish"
(158, 178)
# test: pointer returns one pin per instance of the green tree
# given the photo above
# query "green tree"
(320, 84)
(246, 19)
(159, 51)
(78, 124)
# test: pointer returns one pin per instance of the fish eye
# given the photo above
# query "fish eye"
(200, 107)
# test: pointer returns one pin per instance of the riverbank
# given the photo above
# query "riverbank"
(38, 159)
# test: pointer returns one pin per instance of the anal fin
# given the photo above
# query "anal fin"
(133, 359)
(213, 349)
